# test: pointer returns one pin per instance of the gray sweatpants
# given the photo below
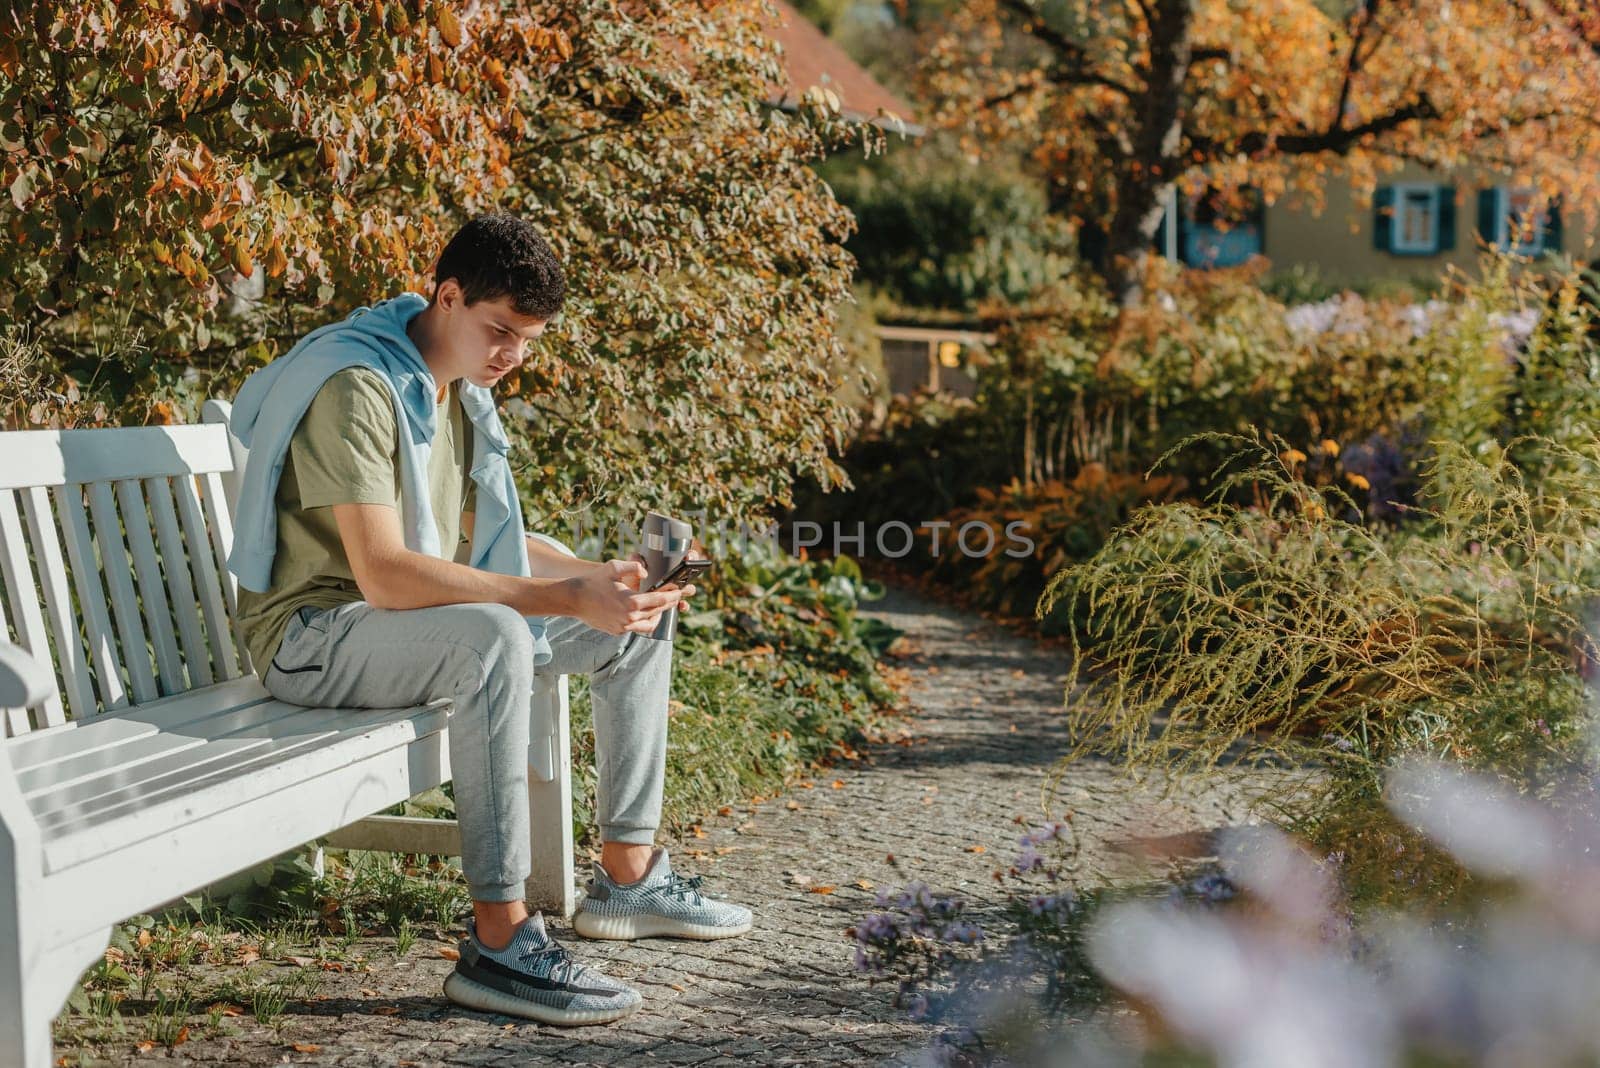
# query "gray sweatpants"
(481, 656)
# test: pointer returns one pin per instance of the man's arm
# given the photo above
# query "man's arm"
(392, 576)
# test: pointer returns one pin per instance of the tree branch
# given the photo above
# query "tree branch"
(1074, 58)
(1334, 139)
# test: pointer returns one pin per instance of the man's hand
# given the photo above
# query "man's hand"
(608, 599)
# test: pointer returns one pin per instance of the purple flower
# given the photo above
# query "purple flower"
(1213, 888)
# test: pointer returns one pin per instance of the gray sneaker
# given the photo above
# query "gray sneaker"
(535, 978)
(662, 904)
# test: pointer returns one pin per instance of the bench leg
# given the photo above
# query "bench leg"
(550, 887)
(31, 997)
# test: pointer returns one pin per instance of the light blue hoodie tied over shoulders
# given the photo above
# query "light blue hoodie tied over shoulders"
(375, 337)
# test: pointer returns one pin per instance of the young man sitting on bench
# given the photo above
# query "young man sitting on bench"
(376, 460)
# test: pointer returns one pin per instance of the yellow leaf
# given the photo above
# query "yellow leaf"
(277, 262)
(449, 27)
(819, 890)
(307, 1047)
(239, 255)
(450, 953)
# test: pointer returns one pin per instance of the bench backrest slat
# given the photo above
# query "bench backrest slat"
(91, 596)
(185, 605)
(139, 605)
(119, 582)
(221, 517)
(58, 604)
(152, 590)
(24, 603)
(206, 578)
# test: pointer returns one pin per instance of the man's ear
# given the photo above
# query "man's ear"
(448, 294)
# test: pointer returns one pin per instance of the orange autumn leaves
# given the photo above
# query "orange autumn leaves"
(151, 144)
(1277, 95)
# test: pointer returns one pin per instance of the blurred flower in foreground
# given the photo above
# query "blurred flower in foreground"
(1281, 980)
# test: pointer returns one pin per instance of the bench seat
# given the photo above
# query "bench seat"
(121, 779)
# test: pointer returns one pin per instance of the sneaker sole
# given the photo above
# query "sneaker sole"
(463, 991)
(648, 925)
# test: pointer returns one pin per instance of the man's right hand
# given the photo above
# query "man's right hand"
(608, 598)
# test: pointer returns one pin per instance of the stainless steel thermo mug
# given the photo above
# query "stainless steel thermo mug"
(666, 543)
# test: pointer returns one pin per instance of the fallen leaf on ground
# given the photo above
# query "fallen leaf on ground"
(387, 1010)
(508, 1027)
(449, 953)
(808, 785)
(307, 1047)
(723, 851)
(725, 810)
(863, 884)
(699, 832)
(838, 784)
(800, 880)
(977, 849)
(679, 987)
(225, 1008)
(370, 993)
(144, 1046)
(793, 806)
(302, 962)
(819, 890)
(182, 1036)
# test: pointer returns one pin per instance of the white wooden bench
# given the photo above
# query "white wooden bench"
(151, 761)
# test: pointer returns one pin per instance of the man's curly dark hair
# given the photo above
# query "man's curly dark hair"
(500, 255)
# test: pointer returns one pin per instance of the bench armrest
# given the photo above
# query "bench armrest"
(23, 680)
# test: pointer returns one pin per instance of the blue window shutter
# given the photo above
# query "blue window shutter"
(1488, 215)
(1553, 227)
(1445, 236)
(1161, 233)
(1383, 218)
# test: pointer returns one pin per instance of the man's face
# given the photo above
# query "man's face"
(488, 339)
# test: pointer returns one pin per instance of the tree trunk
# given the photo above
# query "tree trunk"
(1145, 175)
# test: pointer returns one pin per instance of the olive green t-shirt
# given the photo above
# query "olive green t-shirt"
(346, 450)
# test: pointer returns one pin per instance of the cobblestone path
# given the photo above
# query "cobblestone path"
(944, 809)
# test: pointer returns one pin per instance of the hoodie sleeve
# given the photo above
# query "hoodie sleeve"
(346, 448)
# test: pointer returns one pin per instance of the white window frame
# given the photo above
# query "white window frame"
(1397, 226)
(1169, 202)
(1503, 239)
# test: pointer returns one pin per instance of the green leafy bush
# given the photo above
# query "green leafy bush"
(1293, 631)
(936, 230)
(1064, 521)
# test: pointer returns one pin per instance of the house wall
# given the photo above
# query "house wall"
(1339, 243)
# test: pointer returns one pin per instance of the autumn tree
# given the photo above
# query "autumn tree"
(1120, 102)
(213, 178)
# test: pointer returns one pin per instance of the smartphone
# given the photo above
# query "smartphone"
(687, 571)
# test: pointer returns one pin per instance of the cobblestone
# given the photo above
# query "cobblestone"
(988, 728)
